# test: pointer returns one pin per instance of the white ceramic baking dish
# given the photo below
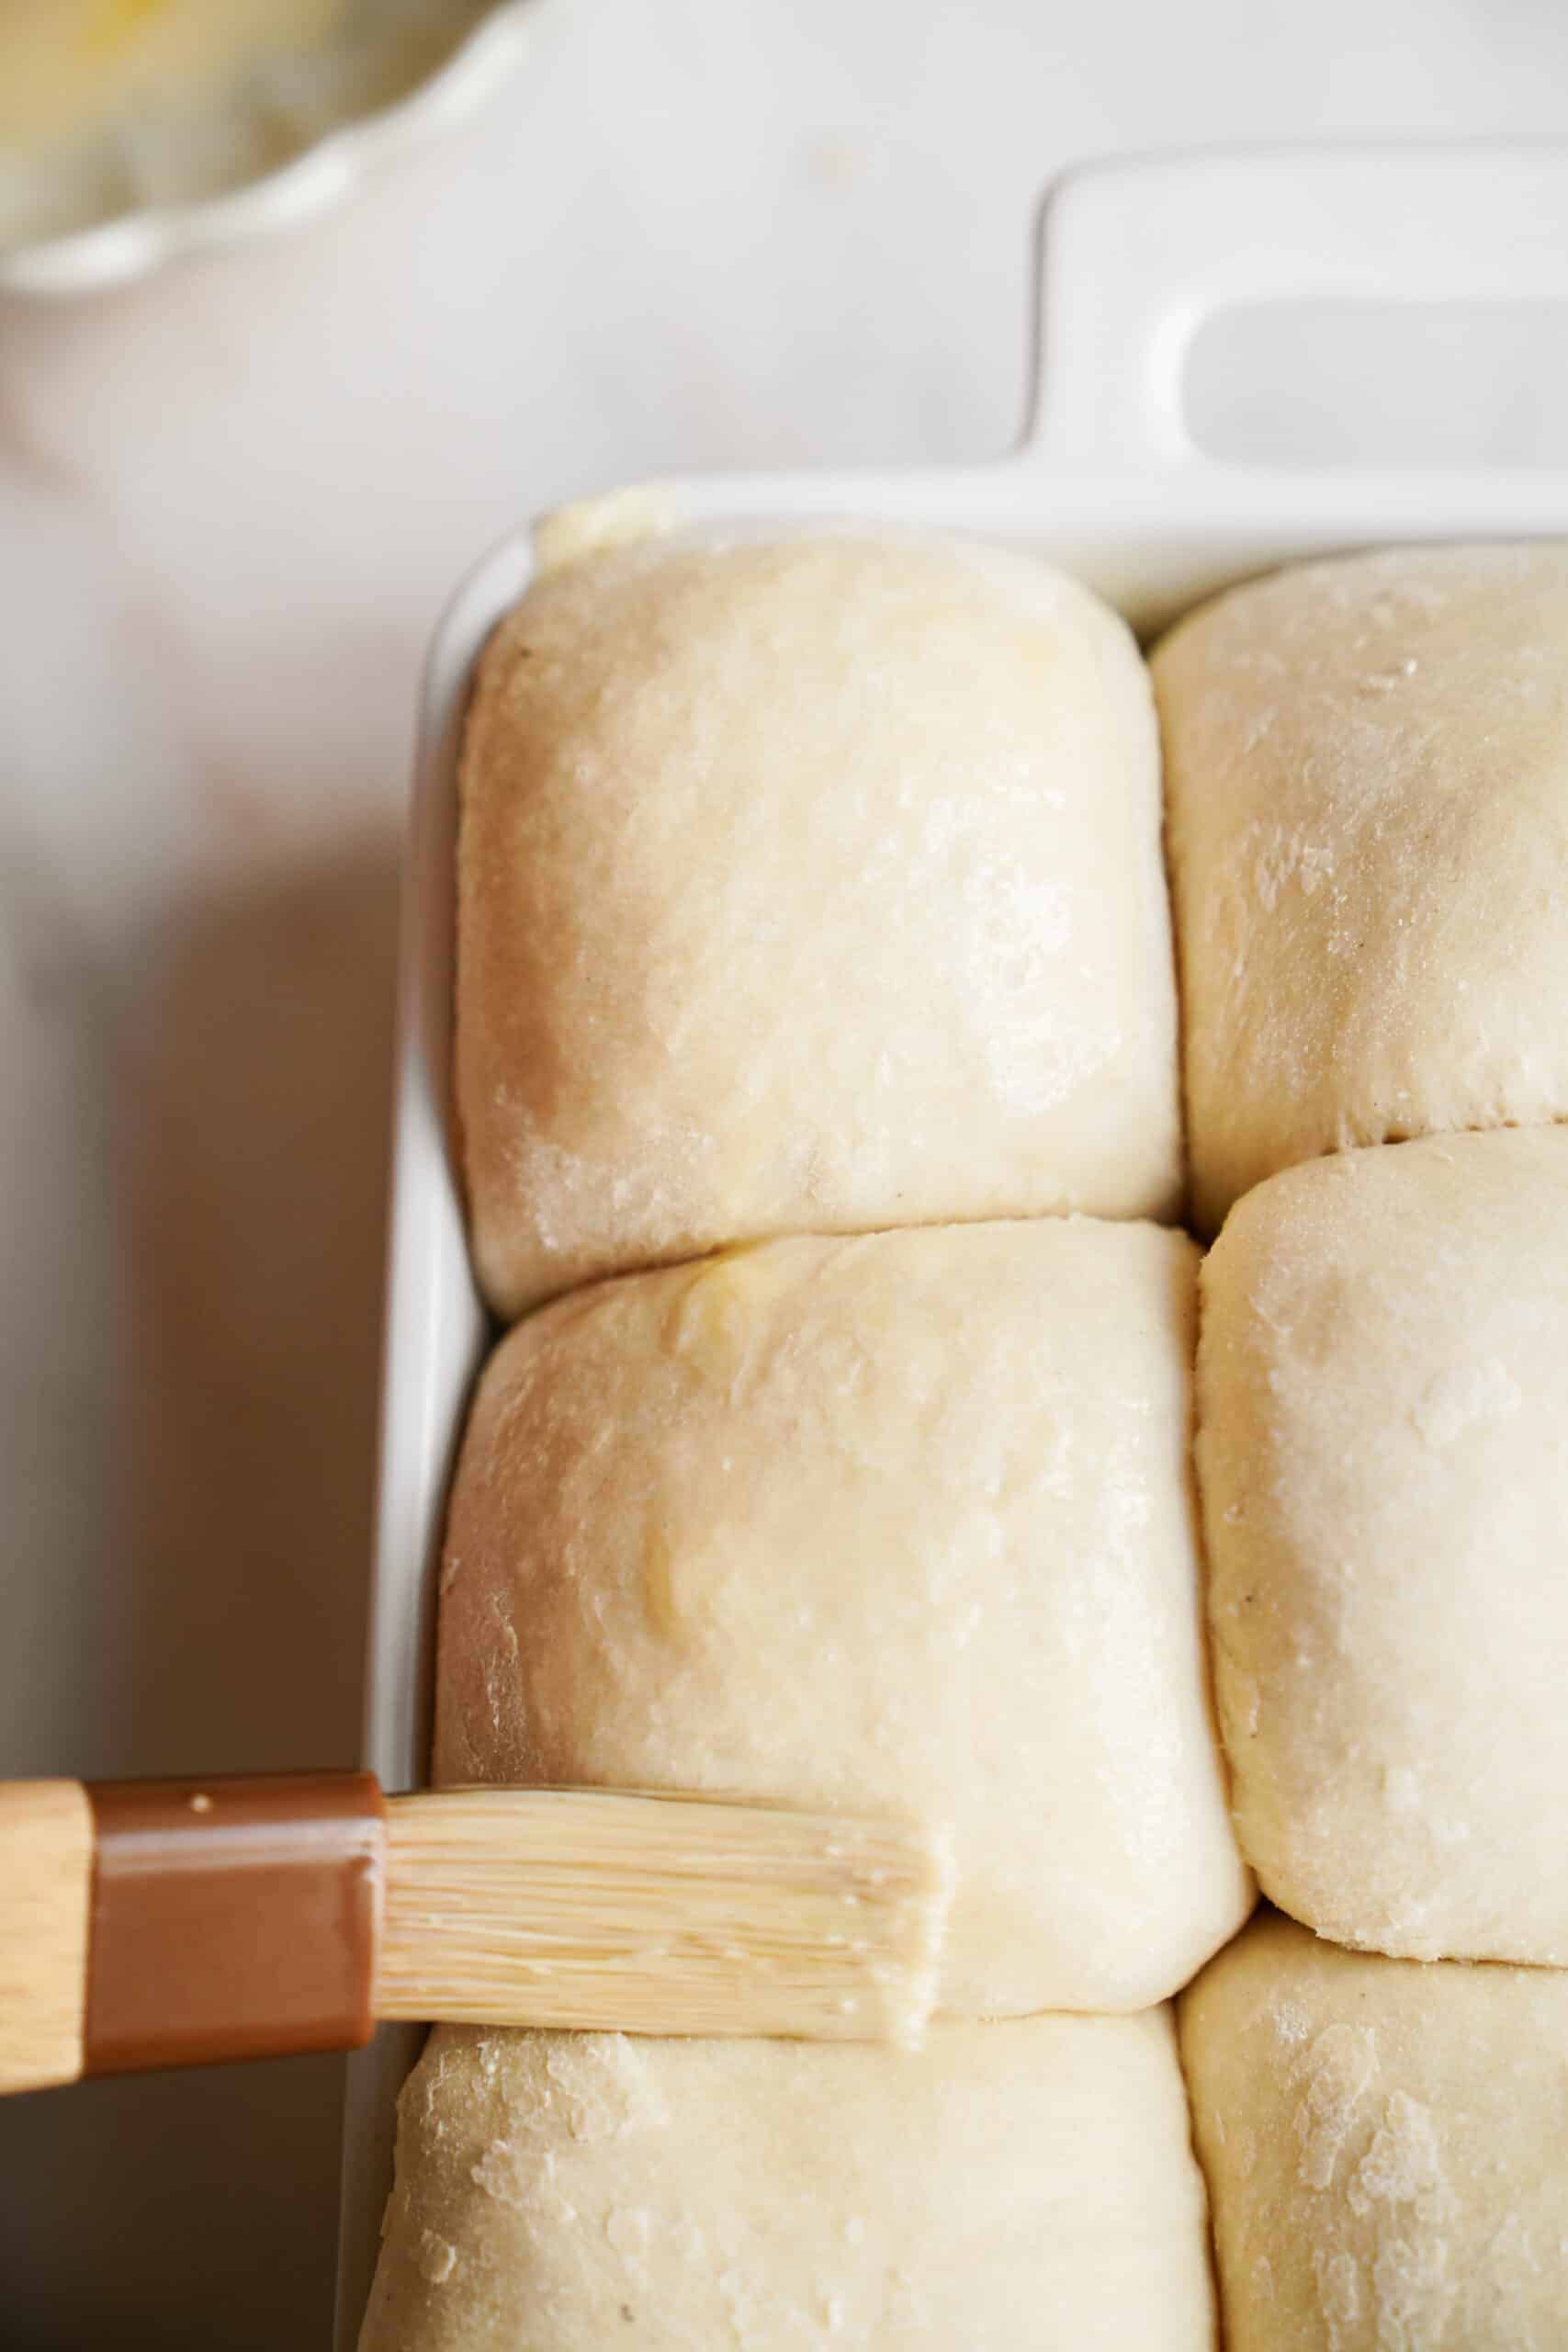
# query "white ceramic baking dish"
(1134, 257)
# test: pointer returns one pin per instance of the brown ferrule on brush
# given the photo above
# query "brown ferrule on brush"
(232, 1918)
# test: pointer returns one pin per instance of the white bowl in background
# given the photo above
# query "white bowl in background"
(86, 216)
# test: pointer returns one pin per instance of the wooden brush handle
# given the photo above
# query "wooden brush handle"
(162, 1923)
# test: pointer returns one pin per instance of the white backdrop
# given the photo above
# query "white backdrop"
(690, 232)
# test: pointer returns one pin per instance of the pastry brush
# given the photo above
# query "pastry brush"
(170, 1922)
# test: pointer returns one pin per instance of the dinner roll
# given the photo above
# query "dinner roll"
(1384, 2145)
(806, 884)
(1383, 1459)
(1367, 770)
(897, 1521)
(1019, 2187)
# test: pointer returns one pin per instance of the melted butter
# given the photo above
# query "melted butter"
(680, 1583)
(720, 1316)
(118, 21)
(659, 1566)
(67, 67)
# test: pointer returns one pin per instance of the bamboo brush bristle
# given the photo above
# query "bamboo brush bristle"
(580, 1908)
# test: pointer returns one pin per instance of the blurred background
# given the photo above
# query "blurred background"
(233, 495)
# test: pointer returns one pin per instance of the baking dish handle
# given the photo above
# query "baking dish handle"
(1134, 256)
